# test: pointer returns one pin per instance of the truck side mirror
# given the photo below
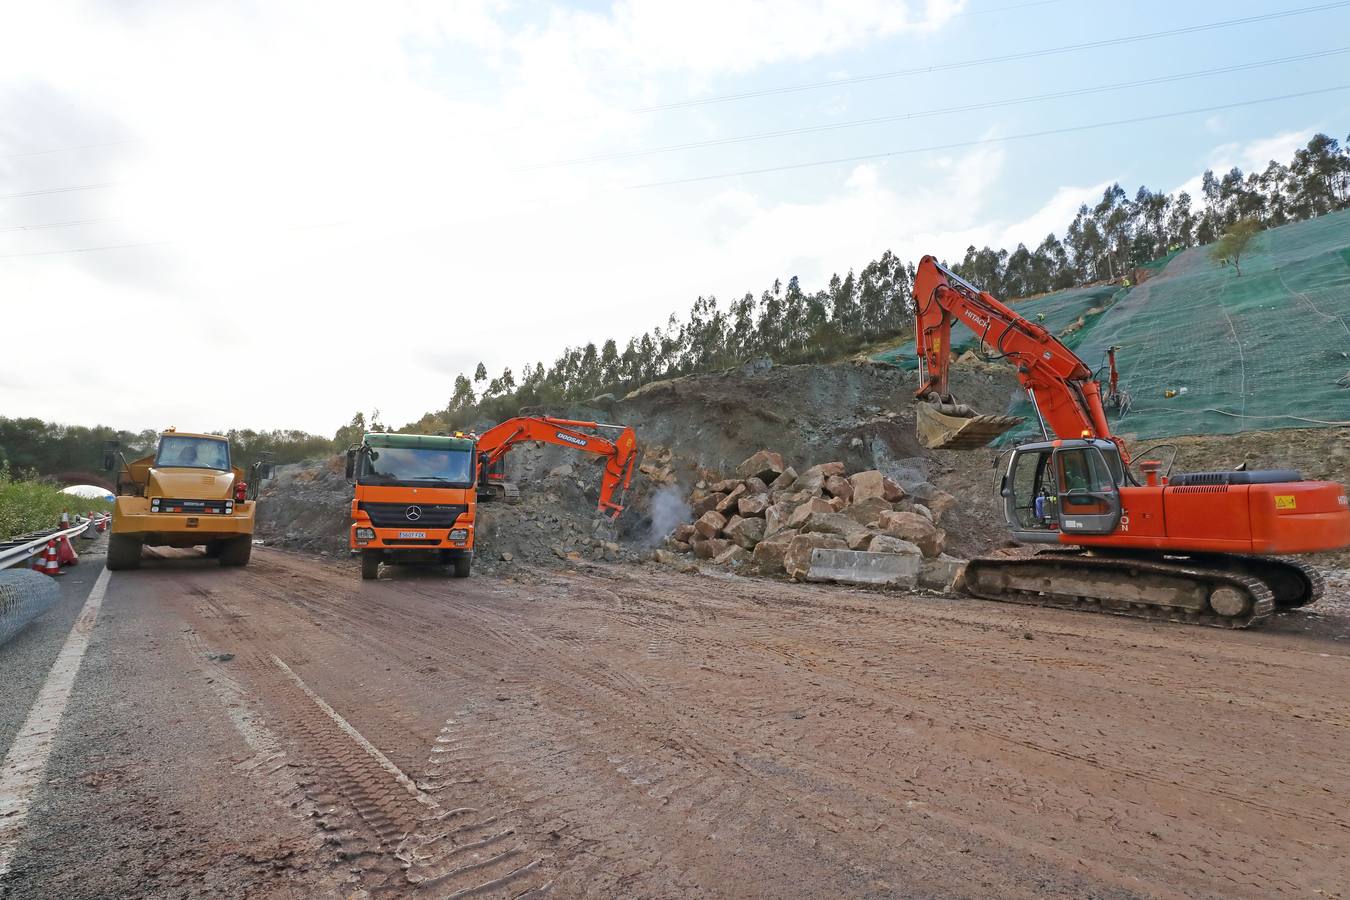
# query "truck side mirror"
(351, 465)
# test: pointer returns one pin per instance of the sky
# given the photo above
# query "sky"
(273, 214)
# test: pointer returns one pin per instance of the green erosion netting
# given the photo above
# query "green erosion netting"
(1269, 349)
(1061, 313)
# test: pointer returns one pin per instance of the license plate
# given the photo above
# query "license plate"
(412, 534)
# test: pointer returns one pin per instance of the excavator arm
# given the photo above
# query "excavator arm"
(1067, 399)
(620, 454)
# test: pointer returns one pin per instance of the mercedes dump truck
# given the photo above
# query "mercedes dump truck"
(414, 500)
(185, 494)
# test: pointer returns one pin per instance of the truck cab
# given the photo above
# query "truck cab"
(187, 493)
(414, 501)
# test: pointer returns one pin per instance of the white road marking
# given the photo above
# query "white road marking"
(21, 773)
(408, 784)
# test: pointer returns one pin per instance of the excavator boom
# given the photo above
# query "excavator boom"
(1067, 399)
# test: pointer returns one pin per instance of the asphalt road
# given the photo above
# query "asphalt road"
(288, 730)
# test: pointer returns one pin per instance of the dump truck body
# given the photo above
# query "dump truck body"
(414, 501)
(185, 494)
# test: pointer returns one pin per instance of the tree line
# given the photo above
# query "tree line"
(1104, 242)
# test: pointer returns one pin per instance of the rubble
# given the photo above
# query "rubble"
(823, 524)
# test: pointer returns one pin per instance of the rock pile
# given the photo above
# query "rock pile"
(821, 524)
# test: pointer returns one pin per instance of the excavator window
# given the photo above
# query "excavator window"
(1033, 491)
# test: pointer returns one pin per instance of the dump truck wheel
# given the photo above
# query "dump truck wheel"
(236, 551)
(370, 566)
(213, 549)
(462, 566)
(123, 552)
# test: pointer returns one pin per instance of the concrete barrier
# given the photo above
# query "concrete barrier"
(860, 567)
(24, 595)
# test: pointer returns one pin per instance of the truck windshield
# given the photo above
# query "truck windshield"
(193, 453)
(396, 465)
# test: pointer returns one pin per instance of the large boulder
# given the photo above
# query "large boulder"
(884, 543)
(709, 524)
(701, 503)
(729, 501)
(863, 568)
(867, 485)
(753, 505)
(941, 503)
(784, 481)
(776, 518)
(746, 532)
(755, 485)
(943, 573)
(765, 465)
(683, 532)
(806, 510)
(711, 548)
(835, 523)
(867, 511)
(733, 556)
(912, 527)
(838, 486)
(797, 557)
(825, 470)
(891, 491)
(725, 486)
(768, 556)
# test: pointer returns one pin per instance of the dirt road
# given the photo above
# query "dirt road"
(287, 730)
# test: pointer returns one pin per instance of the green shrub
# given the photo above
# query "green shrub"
(27, 504)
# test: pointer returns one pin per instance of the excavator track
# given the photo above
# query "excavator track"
(1191, 592)
(1294, 583)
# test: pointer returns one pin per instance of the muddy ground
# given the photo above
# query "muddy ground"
(619, 730)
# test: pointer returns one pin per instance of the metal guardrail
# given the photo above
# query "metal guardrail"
(20, 550)
(24, 595)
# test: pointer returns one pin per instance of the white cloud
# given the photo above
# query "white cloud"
(1252, 156)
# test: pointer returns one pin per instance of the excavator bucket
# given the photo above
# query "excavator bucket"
(939, 430)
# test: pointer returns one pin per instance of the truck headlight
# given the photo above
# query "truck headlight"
(365, 534)
(154, 505)
(459, 534)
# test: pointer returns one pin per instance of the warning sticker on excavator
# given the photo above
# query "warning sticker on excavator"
(1284, 501)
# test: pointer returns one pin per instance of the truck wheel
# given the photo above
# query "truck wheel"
(236, 551)
(370, 566)
(123, 552)
(213, 549)
(462, 566)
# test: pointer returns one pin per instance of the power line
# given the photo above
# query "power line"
(877, 120)
(984, 141)
(88, 249)
(69, 149)
(988, 60)
(61, 190)
(61, 224)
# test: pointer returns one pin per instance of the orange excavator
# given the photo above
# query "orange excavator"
(1203, 548)
(620, 455)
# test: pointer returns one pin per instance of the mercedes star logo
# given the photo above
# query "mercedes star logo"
(413, 513)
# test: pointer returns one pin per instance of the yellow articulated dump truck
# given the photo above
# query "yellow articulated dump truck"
(185, 494)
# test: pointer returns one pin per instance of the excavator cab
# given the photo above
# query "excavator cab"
(1063, 487)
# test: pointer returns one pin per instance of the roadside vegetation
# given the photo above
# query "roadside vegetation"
(29, 504)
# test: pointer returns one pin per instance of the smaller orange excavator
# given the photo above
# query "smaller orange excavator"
(620, 455)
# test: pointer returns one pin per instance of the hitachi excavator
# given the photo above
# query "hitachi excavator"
(1202, 548)
(620, 455)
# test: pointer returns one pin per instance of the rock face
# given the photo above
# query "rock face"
(768, 555)
(764, 465)
(912, 527)
(746, 533)
(797, 558)
(896, 570)
(709, 524)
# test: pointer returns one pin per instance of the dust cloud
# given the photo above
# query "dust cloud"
(667, 509)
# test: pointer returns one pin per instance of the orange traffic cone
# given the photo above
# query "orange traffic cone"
(65, 519)
(66, 554)
(48, 563)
